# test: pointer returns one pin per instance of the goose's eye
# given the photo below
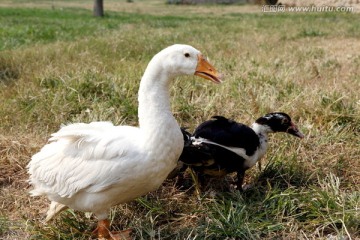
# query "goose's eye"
(187, 55)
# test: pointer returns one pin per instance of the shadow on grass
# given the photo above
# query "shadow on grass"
(283, 176)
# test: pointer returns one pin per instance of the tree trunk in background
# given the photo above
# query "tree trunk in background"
(271, 2)
(99, 8)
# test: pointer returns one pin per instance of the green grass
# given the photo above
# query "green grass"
(23, 27)
(62, 65)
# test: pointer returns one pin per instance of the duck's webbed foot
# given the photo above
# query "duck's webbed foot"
(240, 180)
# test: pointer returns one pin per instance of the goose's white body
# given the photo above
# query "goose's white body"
(91, 167)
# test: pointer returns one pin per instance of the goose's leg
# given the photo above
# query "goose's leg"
(121, 235)
(102, 229)
(54, 209)
(103, 232)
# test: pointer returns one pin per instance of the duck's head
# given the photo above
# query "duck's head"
(182, 59)
(279, 122)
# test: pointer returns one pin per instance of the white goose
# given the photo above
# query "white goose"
(92, 167)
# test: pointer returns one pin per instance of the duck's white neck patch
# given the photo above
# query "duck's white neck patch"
(260, 129)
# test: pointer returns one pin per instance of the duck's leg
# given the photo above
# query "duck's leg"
(197, 182)
(240, 180)
(103, 232)
(259, 165)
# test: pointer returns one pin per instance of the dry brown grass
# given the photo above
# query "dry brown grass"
(15, 152)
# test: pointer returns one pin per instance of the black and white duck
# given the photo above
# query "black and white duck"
(221, 146)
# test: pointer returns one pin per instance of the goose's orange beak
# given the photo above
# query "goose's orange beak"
(205, 70)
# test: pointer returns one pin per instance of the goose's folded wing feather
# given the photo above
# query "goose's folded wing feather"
(82, 157)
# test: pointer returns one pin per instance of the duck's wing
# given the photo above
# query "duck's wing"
(228, 133)
(195, 155)
(83, 157)
(186, 136)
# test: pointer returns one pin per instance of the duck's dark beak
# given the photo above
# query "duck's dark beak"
(205, 70)
(293, 130)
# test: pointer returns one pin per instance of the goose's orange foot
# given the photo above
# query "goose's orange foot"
(121, 235)
(103, 232)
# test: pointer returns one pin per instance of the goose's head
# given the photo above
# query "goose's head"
(181, 59)
(279, 122)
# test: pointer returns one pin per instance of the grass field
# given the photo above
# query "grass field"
(61, 65)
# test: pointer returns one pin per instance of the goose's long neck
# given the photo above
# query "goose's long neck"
(154, 99)
(156, 121)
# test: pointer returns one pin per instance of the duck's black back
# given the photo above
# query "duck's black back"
(229, 133)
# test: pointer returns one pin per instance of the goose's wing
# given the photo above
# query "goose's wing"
(83, 157)
(228, 133)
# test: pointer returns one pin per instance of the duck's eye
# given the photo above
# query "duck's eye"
(187, 55)
(285, 121)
